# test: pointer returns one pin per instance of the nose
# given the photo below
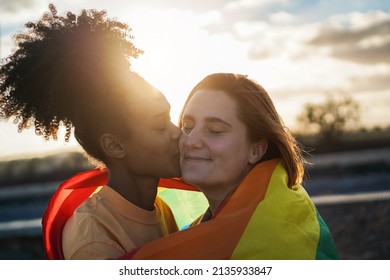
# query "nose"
(193, 139)
(175, 132)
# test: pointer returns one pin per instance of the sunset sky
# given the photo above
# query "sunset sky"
(300, 51)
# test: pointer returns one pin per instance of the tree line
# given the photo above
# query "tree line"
(334, 125)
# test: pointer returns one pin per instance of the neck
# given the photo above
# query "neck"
(216, 196)
(139, 190)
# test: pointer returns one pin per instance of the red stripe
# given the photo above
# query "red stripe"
(61, 206)
(176, 183)
(70, 195)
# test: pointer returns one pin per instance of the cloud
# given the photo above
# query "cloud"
(236, 11)
(282, 18)
(329, 36)
(240, 5)
(14, 14)
(12, 6)
(370, 83)
(369, 44)
(278, 28)
(196, 7)
(372, 55)
(266, 40)
(267, 27)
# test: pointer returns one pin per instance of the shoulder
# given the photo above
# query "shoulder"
(87, 237)
(86, 234)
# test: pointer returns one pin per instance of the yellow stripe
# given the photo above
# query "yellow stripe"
(283, 226)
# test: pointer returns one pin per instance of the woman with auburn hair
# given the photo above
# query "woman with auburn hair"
(246, 103)
(236, 150)
(74, 71)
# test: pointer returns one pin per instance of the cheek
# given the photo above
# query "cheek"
(223, 147)
(151, 148)
(234, 152)
(161, 151)
(182, 140)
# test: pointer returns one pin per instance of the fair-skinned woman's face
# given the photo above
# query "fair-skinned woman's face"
(215, 152)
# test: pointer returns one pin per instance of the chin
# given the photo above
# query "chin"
(193, 180)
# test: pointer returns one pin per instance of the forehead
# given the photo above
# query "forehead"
(211, 103)
(151, 104)
(142, 101)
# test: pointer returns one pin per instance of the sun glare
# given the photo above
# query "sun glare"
(179, 52)
(165, 62)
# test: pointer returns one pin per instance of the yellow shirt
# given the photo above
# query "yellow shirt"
(106, 226)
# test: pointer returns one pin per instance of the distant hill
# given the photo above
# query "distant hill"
(361, 139)
(55, 167)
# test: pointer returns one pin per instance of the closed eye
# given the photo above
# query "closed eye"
(216, 131)
(186, 129)
(217, 128)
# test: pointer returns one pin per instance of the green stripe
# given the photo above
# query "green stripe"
(185, 205)
(326, 249)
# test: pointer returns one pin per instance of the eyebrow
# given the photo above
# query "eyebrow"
(208, 120)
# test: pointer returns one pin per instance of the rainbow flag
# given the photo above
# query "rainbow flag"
(263, 219)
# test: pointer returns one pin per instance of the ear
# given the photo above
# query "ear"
(258, 150)
(112, 146)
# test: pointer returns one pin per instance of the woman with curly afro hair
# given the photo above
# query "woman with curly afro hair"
(73, 71)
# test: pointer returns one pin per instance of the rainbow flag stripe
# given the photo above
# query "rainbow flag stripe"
(263, 219)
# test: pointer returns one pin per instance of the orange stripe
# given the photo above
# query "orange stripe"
(176, 183)
(217, 238)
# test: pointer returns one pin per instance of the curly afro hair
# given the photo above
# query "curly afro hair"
(58, 61)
